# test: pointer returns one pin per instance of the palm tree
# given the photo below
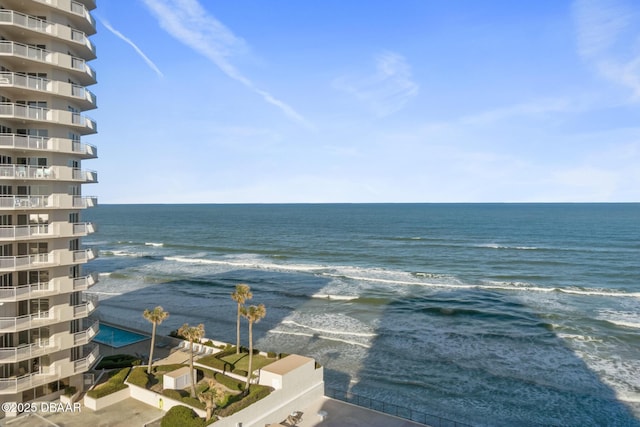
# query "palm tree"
(212, 397)
(253, 314)
(241, 295)
(191, 334)
(156, 317)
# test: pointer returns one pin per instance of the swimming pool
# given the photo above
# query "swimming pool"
(116, 337)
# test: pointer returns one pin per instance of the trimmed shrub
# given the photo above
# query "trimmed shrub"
(174, 394)
(230, 383)
(118, 361)
(209, 344)
(113, 384)
(168, 368)
(139, 377)
(215, 362)
(70, 391)
(181, 416)
(191, 401)
(272, 354)
(257, 392)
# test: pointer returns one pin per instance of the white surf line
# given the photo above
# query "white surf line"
(321, 337)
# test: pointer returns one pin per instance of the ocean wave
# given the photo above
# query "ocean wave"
(497, 246)
(329, 331)
(334, 297)
(155, 245)
(523, 286)
(303, 334)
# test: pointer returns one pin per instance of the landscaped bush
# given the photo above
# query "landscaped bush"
(168, 368)
(117, 361)
(181, 416)
(257, 392)
(115, 383)
(70, 391)
(215, 362)
(209, 344)
(139, 377)
(230, 383)
(174, 394)
(272, 354)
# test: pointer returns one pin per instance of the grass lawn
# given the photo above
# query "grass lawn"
(241, 361)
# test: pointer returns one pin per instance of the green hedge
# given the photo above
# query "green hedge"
(139, 377)
(181, 416)
(257, 392)
(117, 361)
(215, 362)
(113, 384)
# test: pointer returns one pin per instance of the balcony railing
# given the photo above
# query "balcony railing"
(28, 351)
(42, 55)
(11, 232)
(84, 364)
(32, 112)
(84, 255)
(41, 25)
(84, 283)
(84, 337)
(20, 80)
(25, 142)
(34, 290)
(86, 308)
(14, 324)
(61, 201)
(27, 172)
(25, 382)
(37, 260)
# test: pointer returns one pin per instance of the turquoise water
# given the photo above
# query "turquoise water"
(116, 337)
(489, 314)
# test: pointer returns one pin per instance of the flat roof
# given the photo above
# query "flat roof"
(287, 364)
(178, 372)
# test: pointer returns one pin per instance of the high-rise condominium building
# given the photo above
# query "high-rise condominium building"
(45, 331)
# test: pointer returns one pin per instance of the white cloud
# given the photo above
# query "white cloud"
(387, 90)
(139, 51)
(190, 23)
(608, 38)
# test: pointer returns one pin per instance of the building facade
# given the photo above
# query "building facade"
(45, 331)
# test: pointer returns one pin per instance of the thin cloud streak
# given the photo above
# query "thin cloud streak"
(387, 90)
(606, 35)
(133, 45)
(189, 22)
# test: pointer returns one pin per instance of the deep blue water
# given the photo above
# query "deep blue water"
(489, 314)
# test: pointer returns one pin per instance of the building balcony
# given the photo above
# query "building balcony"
(57, 314)
(16, 53)
(85, 337)
(85, 363)
(50, 259)
(11, 233)
(82, 124)
(54, 201)
(60, 285)
(28, 351)
(84, 283)
(45, 375)
(38, 143)
(76, 11)
(16, 22)
(48, 173)
(16, 83)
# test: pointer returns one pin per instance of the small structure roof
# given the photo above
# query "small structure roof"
(178, 372)
(287, 364)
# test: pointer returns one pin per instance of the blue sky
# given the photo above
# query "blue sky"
(367, 101)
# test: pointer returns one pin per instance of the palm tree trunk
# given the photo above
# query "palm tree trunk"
(238, 332)
(193, 380)
(250, 356)
(153, 343)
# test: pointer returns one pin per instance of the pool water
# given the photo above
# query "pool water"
(116, 337)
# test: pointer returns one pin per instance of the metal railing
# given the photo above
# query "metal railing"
(391, 409)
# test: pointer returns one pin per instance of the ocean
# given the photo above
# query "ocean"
(487, 314)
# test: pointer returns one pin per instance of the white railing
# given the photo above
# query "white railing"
(82, 365)
(85, 202)
(25, 142)
(25, 202)
(30, 172)
(83, 228)
(84, 283)
(73, 7)
(86, 308)
(25, 382)
(24, 231)
(36, 260)
(84, 337)
(87, 176)
(43, 55)
(42, 143)
(14, 324)
(33, 112)
(34, 290)
(84, 255)
(45, 85)
(27, 351)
